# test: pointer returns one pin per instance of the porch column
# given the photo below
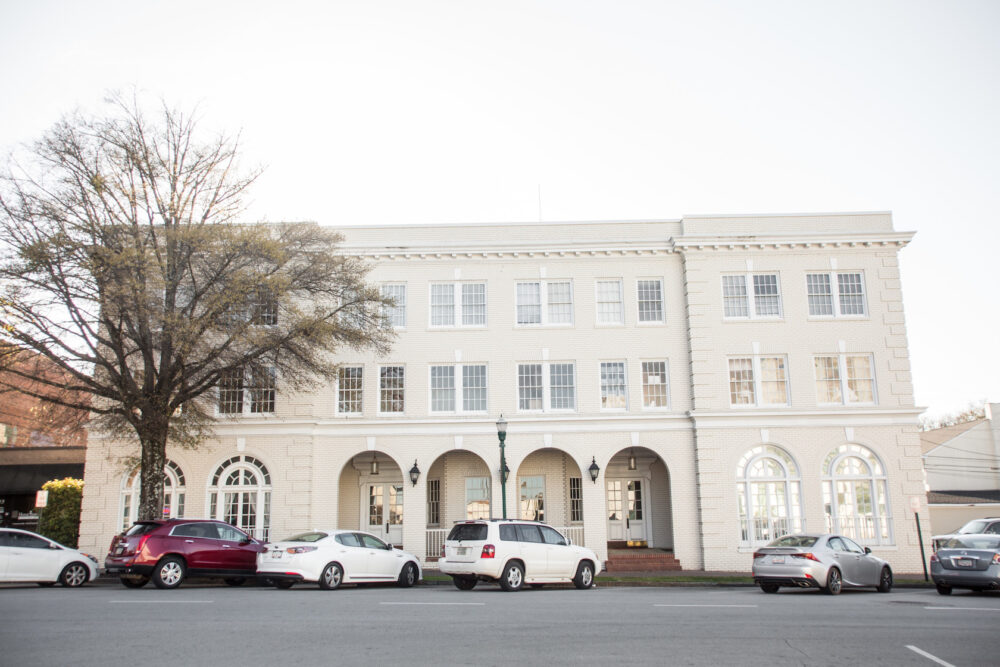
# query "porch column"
(595, 525)
(415, 513)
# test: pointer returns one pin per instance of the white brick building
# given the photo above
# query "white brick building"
(729, 378)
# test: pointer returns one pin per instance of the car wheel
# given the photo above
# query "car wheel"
(284, 584)
(408, 575)
(584, 575)
(943, 590)
(235, 581)
(464, 583)
(512, 578)
(169, 572)
(134, 582)
(885, 580)
(73, 575)
(331, 578)
(770, 588)
(834, 582)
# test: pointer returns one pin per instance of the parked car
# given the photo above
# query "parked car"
(967, 561)
(513, 553)
(989, 525)
(334, 557)
(827, 562)
(29, 557)
(168, 551)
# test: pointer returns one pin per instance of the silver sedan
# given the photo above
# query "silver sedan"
(827, 562)
(967, 561)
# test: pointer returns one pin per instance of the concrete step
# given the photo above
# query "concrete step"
(641, 560)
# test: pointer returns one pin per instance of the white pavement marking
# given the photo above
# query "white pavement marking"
(160, 601)
(929, 656)
(732, 606)
(962, 608)
(439, 604)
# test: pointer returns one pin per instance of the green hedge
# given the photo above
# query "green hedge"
(59, 520)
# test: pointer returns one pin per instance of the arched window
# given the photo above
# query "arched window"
(173, 494)
(856, 496)
(769, 495)
(240, 495)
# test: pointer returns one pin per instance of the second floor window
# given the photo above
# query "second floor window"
(390, 389)
(349, 390)
(609, 302)
(844, 379)
(763, 301)
(547, 386)
(654, 384)
(263, 307)
(471, 305)
(396, 314)
(850, 296)
(460, 388)
(650, 293)
(614, 393)
(545, 302)
(758, 380)
(242, 392)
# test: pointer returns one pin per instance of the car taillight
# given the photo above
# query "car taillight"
(489, 551)
(996, 559)
(934, 558)
(442, 551)
(758, 554)
(142, 543)
(810, 556)
(300, 550)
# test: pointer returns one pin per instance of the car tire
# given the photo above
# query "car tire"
(73, 575)
(834, 582)
(235, 581)
(885, 580)
(46, 584)
(134, 582)
(943, 590)
(332, 577)
(169, 572)
(284, 584)
(584, 575)
(537, 586)
(407, 576)
(770, 588)
(512, 578)
(464, 583)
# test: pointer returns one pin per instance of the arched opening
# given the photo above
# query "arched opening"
(856, 495)
(548, 487)
(174, 491)
(240, 495)
(638, 505)
(459, 486)
(370, 496)
(770, 499)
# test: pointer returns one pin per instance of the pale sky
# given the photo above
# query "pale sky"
(410, 111)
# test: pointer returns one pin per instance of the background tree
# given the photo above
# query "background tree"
(59, 520)
(975, 411)
(124, 263)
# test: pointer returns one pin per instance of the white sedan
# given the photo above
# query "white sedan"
(335, 557)
(27, 557)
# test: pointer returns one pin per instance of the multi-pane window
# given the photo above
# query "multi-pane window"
(758, 380)
(545, 302)
(349, 390)
(257, 393)
(240, 495)
(532, 498)
(390, 387)
(844, 378)
(546, 386)
(477, 497)
(614, 394)
(263, 307)
(433, 501)
(610, 309)
(650, 295)
(473, 304)
(263, 387)
(471, 298)
(855, 495)
(231, 391)
(8, 434)
(396, 313)
(769, 495)
(849, 300)
(654, 384)
(458, 388)
(763, 301)
(575, 499)
(443, 305)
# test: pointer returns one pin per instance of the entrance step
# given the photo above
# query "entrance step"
(642, 560)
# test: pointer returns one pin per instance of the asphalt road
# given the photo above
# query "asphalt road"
(217, 625)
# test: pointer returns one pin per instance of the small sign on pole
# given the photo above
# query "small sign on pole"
(41, 498)
(915, 503)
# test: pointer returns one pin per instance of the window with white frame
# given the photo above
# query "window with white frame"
(844, 379)
(263, 389)
(544, 303)
(610, 309)
(458, 388)
(471, 300)
(240, 495)
(546, 386)
(758, 380)
(849, 300)
(396, 313)
(350, 386)
(655, 388)
(856, 496)
(769, 495)
(763, 301)
(614, 392)
(391, 390)
(650, 298)
(477, 497)
(576, 499)
(263, 307)
(174, 491)
(433, 502)
(247, 391)
(532, 496)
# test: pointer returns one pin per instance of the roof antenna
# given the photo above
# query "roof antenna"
(539, 202)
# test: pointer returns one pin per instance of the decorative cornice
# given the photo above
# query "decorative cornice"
(508, 251)
(687, 244)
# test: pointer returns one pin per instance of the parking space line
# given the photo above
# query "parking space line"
(731, 606)
(437, 604)
(160, 601)
(962, 608)
(929, 656)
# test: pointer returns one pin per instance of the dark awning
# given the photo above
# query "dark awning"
(29, 478)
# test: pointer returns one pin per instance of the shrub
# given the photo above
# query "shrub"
(59, 520)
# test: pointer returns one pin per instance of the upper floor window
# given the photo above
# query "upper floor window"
(763, 301)
(844, 378)
(610, 309)
(241, 391)
(650, 296)
(758, 380)
(460, 388)
(349, 390)
(390, 388)
(546, 386)
(8, 435)
(614, 392)
(850, 295)
(470, 310)
(263, 307)
(545, 302)
(396, 313)
(655, 392)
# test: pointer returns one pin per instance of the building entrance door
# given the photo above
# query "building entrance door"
(385, 511)
(626, 511)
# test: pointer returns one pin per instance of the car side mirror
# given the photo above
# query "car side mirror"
(246, 541)
(868, 550)
(54, 547)
(568, 542)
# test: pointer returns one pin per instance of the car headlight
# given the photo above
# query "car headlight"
(93, 558)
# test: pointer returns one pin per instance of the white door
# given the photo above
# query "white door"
(385, 511)
(626, 510)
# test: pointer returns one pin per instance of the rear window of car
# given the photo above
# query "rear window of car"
(973, 542)
(794, 541)
(468, 531)
(141, 529)
(975, 526)
(312, 536)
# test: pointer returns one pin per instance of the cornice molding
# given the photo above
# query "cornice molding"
(688, 244)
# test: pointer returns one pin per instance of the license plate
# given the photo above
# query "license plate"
(462, 551)
(777, 560)
(275, 555)
(120, 550)
(961, 562)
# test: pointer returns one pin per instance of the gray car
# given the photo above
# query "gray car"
(827, 562)
(967, 561)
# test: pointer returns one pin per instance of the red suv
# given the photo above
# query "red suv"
(168, 551)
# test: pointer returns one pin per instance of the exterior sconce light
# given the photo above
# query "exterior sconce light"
(594, 469)
(374, 468)
(631, 460)
(414, 473)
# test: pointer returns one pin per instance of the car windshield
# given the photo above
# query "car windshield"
(468, 531)
(973, 542)
(794, 541)
(141, 529)
(976, 526)
(312, 536)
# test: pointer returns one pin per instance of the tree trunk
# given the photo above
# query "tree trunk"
(154, 459)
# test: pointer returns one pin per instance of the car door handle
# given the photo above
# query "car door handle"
(189, 541)
(226, 546)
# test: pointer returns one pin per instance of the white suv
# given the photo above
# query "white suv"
(513, 553)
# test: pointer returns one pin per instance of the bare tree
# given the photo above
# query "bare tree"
(975, 411)
(123, 262)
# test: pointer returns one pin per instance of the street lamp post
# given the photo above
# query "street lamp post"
(502, 434)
